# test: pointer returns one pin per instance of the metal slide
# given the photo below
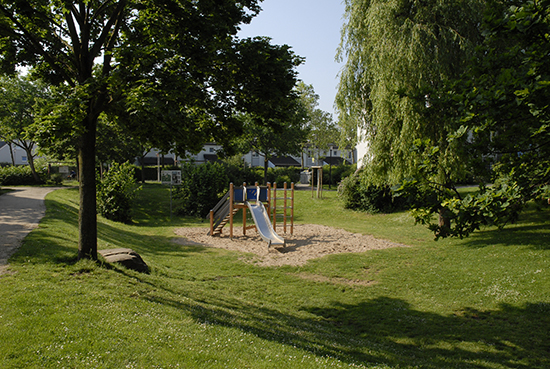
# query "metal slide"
(263, 225)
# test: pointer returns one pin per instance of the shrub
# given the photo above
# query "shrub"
(201, 188)
(19, 175)
(283, 174)
(116, 192)
(237, 172)
(56, 179)
(357, 193)
(337, 173)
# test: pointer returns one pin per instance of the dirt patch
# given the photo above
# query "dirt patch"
(308, 241)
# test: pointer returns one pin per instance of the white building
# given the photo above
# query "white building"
(309, 157)
(6, 152)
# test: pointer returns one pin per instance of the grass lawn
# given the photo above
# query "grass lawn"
(481, 302)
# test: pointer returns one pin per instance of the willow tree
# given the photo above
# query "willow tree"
(399, 55)
(172, 68)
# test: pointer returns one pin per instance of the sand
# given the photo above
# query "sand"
(308, 241)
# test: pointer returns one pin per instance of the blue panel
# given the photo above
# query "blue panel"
(263, 194)
(251, 193)
(238, 195)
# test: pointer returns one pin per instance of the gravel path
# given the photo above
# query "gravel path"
(20, 211)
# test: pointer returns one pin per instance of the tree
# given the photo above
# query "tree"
(19, 101)
(176, 64)
(278, 139)
(502, 104)
(399, 56)
(322, 131)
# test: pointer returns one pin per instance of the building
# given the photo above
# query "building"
(7, 152)
(308, 158)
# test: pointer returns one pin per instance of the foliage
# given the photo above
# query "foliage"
(273, 138)
(283, 174)
(201, 188)
(502, 119)
(158, 68)
(19, 175)
(116, 192)
(357, 193)
(445, 92)
(322, 131)
(337, 173)
(20, 101)
(399, 54)
(237, 172)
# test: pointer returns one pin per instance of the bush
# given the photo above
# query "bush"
(116, 192)
(358, 194)
(283, 174)
(56, 179)
(201, 188)
(237, 173)
(19, 175)
(337, 173)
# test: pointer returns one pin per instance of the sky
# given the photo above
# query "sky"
(312, 29)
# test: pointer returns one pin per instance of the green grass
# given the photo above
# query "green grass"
(481, 302)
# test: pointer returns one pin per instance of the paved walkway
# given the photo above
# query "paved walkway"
(20, 211)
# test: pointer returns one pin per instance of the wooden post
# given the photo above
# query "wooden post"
(292, 209)
(284, 209)
(275, 206)
(320, 182)
(312, 183)
(231, 200)
(268, 199)
(211, 222)
(244, 220)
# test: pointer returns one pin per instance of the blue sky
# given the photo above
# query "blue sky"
(312, 29)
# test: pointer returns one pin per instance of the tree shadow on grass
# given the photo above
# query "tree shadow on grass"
(532, 230)
(56, 239)
(389, 331)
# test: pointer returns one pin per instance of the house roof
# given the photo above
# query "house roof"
(151, 160)
(2, 143)
(284, 161)
(334, 160)
(211, 157)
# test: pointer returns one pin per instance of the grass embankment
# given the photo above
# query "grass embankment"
(482, 302)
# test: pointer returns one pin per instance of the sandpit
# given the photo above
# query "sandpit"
(308, 241)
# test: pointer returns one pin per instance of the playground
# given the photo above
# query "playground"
(272, 243)
(309, 241)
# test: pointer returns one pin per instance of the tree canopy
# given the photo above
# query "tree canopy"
(173, 72)
(398, 56)
(322, 130)
(20, 101)
(443, 89)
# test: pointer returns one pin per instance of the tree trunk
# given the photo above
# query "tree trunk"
(30, 159)
(266, 160)
(87, 217)
(444, 223)
(142, 169)
(11, 153)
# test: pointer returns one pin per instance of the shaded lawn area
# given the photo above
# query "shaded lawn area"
(482, 302)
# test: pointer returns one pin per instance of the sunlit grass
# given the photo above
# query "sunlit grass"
(481, 302)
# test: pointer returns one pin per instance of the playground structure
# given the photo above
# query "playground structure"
(261, 201)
